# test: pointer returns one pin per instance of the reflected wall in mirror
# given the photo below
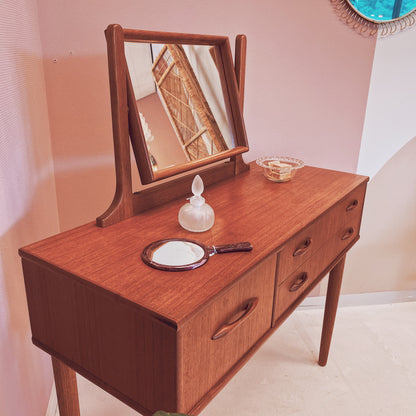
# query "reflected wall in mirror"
(180, 100)
(181, 94)
(377, 17)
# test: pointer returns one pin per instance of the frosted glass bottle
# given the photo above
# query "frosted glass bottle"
(196, 216)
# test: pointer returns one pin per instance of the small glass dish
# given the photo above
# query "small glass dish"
(279, 169)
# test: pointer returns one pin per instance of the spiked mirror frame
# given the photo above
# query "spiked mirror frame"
(371, 28)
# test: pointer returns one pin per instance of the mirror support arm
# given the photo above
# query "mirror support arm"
(122, 205)
(240, 73)
(240, 65)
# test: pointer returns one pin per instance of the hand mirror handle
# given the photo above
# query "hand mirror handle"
(229, 248)
(181, 254)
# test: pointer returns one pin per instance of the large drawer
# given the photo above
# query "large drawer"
(215, 339)
(344, 217)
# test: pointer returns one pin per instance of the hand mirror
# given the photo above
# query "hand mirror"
(180, 254)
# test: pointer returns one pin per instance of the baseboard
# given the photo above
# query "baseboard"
(362, 299)
(52, 409)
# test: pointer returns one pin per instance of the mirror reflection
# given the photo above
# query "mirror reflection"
(180, 100)
(175, 254)
(178, 253)
(383, 10)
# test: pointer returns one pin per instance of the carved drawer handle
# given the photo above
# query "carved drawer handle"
(236, 319)
(352, 205)
(300, 250)
(299, 282)
(348, 234)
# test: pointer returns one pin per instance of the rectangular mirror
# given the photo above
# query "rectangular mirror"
(182, 99)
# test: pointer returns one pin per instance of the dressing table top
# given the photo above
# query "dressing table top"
(247, 208)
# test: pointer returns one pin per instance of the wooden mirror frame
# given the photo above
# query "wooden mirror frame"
(127, 129)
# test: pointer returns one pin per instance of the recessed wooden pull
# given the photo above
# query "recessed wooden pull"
(348, 234)
(236, 319)
(300, 250)
(299, 282)
(352, 205)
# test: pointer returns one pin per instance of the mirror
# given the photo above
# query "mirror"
(181, 97)
(180, 101)
(376, 17)
(383, 10)
(173, 90)
(181, 254)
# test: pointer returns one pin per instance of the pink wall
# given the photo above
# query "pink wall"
(308, 77)
(307, 83)
(28, 209)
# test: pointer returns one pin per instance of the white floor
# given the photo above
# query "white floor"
(371, 370)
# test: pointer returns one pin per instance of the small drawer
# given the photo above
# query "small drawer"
(347, 212)
(341, 221)
(215, 339)
(301, 247)
(299, 281)
(344, 236)
(344, 223)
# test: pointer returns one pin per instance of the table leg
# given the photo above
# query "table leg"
(66, 389)
(331, 304)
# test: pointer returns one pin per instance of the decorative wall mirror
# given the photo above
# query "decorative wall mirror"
(177, 101)
(377, 17)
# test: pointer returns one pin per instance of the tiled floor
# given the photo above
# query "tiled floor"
(371, 370)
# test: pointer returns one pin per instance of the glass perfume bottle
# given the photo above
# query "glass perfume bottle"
(196, 216)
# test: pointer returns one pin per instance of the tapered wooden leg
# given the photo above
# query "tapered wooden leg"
(331, 304)
(66, 389)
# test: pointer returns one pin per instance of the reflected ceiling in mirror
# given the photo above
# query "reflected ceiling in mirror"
(181, 95)
(180, 101)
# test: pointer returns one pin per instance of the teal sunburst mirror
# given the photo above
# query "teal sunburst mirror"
(377, 17)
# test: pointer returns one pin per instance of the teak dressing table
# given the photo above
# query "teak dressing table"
(148, 336)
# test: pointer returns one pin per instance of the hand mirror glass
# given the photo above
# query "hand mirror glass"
(180, 254)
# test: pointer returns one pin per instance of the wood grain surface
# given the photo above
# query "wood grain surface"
(148, 336)
(247, 208)
(66, 388)
(204, 361)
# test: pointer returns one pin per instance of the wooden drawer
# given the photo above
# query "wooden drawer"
(292, 288)
(347, 214)
(297, 283)
(344, 218)
(331, 234)
(214, 340)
